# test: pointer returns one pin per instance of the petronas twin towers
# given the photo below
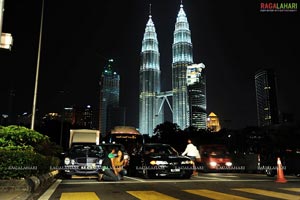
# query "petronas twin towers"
(151, 97)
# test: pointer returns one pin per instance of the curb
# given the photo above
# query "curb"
(29, 185)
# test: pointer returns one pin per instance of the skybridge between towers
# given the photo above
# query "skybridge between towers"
(164, 96)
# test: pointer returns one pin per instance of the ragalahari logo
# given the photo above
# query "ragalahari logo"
(278, 7)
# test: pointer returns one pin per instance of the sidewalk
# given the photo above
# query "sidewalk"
(29, 189)
(14, 195)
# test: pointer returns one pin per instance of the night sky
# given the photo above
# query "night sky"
(232, 38)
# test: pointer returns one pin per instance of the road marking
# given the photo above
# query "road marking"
(136, 179)
(215, 195)
(50, 191)
(291, 189)
(76, 182)
(268, 193)
(79, 196)
(153, 195)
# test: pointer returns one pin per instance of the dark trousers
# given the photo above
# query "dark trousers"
(109, 175)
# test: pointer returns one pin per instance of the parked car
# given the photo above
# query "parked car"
(215, 157)
(83, 160)
(86, 160)
(290, 160)
(159, 160)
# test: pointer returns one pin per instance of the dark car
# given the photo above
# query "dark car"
(86, 160)
(290, 161)
(160, 160)
(83, 160)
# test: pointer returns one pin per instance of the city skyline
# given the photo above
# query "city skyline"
(233, 39)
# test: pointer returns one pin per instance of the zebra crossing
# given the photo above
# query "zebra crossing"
(231, 194)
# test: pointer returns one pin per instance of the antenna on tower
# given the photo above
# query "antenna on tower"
(150, 9)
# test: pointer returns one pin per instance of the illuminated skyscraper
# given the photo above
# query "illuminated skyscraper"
(149, 104)
(266, 97)
(109, 97)
(196, 82)
(182, 57)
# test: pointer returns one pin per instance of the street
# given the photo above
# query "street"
(204, 186)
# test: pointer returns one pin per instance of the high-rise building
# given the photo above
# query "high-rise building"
(197, 95)
(182, 57)
(109, 97)
(266, 97)
(83, 117)
(149, 117)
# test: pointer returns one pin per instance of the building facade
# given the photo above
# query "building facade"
(182, 52)
(266, 97)
(196, 83)
(213, 122)
(109, 97)
(83, 117)
(149, 117)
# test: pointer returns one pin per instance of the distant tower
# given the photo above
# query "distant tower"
(182, 57)
(266, 97)
(109, 97)
(197, 95)
(213, 122)
(149, 117)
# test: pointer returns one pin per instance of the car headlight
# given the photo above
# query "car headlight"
(213, 164)
(100, 161)
(228, 164)
(187, 162)
(72, 161)
(67, 161)
(158, 162)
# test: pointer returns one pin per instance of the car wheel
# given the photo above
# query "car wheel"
(187, 174)
(66, 176)
(131, 171)
(145, 173)
(270, 173)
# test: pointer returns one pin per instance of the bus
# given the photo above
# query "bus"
(129, 136)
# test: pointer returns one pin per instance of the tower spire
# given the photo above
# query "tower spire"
(150, 10)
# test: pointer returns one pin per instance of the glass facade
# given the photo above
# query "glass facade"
(109, 96)
(266, 97)
(149, 104)
(182, 57)
(196, 82)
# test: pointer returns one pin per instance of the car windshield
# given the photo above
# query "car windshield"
(84, 148)
(217, 152)
(106, 147)
(160, 150)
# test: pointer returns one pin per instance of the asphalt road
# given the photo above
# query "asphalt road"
(225, 186)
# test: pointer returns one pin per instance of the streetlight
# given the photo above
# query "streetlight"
(37, 70)
(6, 40)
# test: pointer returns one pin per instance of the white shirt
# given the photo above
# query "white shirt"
(191, 150)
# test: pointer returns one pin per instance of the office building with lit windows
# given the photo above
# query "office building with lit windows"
(149, 115)
(109, 98)
(196, 84)
(266, 97)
